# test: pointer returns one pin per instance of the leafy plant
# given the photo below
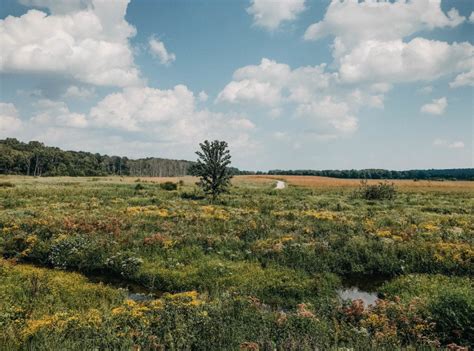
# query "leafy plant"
(77, 252)
(381, 191)
(169, 186)
(124, 263)
(139, 187)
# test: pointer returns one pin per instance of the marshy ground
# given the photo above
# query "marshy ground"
(262, 268)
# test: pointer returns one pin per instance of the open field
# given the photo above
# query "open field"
(261, 269)
(304, 181)
(325, 182)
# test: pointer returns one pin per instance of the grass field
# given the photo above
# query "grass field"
(325, 182)
(258, 270)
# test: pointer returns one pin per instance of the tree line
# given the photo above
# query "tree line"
(36, 159)
(422, 174)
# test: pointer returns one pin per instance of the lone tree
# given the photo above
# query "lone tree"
(212, 167)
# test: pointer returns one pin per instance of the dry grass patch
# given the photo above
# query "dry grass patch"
(327, 182)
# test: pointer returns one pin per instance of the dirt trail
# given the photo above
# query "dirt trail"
(280, 185)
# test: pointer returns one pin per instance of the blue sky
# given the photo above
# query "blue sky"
(288, 83)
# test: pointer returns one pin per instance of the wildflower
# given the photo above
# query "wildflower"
(188, 298)
(323, 215)
(249, 346)
(430, 227)
(383, 233)
(282, 318)
(303, 311)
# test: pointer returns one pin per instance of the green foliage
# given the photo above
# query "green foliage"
(258, 269)
(416, 174)
(380, 191)
(124, 263)
(36, 159)
(449, 303)
(76, 252)
(212, 167)
(139, 187)
(453, 313)
(169, 186)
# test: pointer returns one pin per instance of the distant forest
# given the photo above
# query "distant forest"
(36, 159)
(430, 174)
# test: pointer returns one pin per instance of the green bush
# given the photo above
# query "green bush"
(124, 263)
(139, 187)
(169, 186)
(77, 252)
(453, 314)
(449, 302)
(380, 191)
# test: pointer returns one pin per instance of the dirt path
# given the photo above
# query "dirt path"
(280, 185)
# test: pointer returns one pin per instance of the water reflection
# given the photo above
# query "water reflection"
(365, 288)
(354, 293)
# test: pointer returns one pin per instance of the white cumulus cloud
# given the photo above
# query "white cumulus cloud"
(203, 96)
(74, 91)
(270, 14)
(329, 116)
(9, 120)
(397, 61)
(463, 79)
(449, 144)
(170, 116)
(158, 49)
(436, 107)
(369, 40)
(355, 21)
(250, 90)
(456, 145)
(311, 93)
(88, 44)
(56, 113)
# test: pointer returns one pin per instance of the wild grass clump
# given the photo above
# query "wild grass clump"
(169, 186)
(381, 191)
(5, 184)
(139, 187)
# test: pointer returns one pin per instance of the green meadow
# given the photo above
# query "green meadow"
(126, 264)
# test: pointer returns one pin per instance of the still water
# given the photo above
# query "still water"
(361, 287)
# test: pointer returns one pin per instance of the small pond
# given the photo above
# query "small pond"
(365, 288)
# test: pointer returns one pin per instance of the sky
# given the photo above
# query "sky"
(289, 84)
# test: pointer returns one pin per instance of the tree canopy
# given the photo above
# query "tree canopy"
(36, 159)
(212, 167)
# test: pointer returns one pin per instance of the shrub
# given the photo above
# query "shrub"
(77, 252)
(169, 186)
(449, 303)
(139, 187)
(124, 263)
(381, 191)
(453, 313)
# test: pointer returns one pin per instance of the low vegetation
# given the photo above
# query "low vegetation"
(380, 191)
(257, 269)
